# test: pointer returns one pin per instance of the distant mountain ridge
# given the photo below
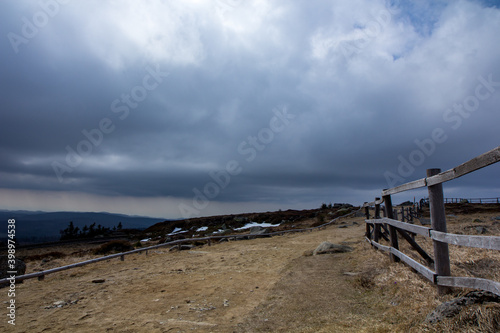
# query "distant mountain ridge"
(36, 226)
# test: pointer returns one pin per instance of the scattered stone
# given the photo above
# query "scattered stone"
(60, 304)
(98, 281)
(351, 273)
(226, 302)
(481, 230)
(478, 220)
(183, 247)
(452, 308)
(496, 218)
(258, 232)
(327, 247)
(342, 226)
(451, 215)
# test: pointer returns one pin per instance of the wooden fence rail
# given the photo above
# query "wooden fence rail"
(472, 200)
(389, 228)
(41, 275)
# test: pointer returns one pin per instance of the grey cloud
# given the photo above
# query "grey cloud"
(355, 116)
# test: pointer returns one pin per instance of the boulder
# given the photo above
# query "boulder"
(183, 247)
(452, 308)
(258, 232)
(481, 230)
(327, 247)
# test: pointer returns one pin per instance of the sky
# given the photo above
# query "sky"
(193, 108)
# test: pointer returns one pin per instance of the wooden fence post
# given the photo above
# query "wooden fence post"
(392, 230)
(438, 223)
(376, 227)
(367, 216)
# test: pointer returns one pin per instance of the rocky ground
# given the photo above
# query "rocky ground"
(260, 285)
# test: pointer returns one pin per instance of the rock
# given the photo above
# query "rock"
(452, 308)
(478, 220)
(481, 230)
(98, 281)
(342, 226)
(327, 247)
(258, 232)
(182, 248)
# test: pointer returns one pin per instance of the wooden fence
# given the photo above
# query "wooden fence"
(389, 228)
(472, 200)
(41, 275)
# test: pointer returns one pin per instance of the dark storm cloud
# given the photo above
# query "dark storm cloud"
(154, 99)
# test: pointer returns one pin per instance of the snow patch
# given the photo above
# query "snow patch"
(255, 224)
(177, 231)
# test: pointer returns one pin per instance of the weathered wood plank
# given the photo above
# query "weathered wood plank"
(479, 162)
(441, 178)
(377, 201)
(438, 222)
(483, 242)
(426, 272)
(469, 282)
(380, 246)
(405, 187)
(417, 229)
(392, 230)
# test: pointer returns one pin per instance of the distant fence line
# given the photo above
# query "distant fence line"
(41, 275)
(472, 200)
(389, 228)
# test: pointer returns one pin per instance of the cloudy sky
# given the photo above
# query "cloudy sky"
(189, 108)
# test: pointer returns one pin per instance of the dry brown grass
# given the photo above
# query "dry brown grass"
(268, 283)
